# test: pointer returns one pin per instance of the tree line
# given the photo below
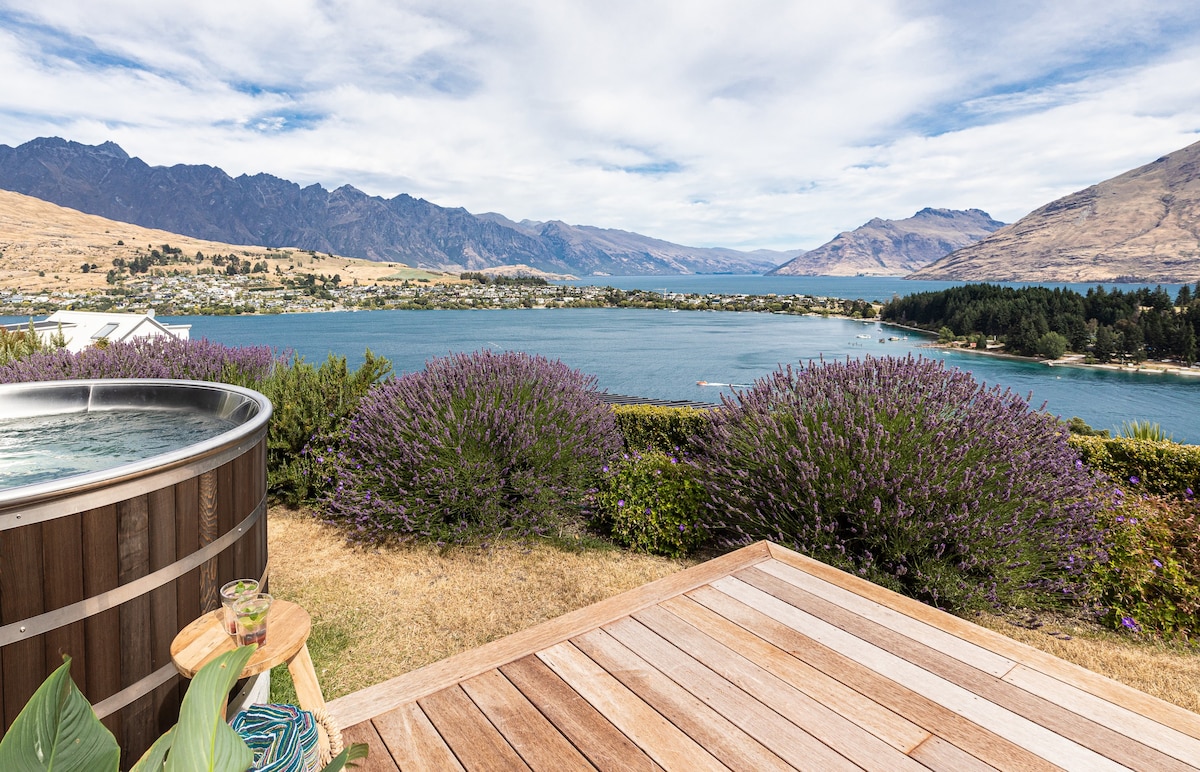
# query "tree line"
(1040, 321)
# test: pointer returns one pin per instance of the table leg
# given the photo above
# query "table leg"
(304, 676)
(308, 690)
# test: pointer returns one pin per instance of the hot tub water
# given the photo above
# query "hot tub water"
(51, 447)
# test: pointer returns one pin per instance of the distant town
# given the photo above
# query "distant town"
(188, 294)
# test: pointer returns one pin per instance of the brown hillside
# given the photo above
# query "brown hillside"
(37, 237)
(1143, 225)
(893, 247)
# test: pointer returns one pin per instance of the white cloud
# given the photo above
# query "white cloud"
(754, 123)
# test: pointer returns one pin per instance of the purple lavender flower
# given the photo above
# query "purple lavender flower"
(1129, 624)
(908, 473)
(475, 446)
(159, 357)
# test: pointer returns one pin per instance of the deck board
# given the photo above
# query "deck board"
(1042, 709)
(827, 726)
(539, 744)
(464, 727)
(595, 736)
(763, 659)
(411, 740)
(731, 746)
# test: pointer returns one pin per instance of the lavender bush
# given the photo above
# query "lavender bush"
(473, 446)
(159, 357)
(911, 475)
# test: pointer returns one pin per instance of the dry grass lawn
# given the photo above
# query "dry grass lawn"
(378, 613)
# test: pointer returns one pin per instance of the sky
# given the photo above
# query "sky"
(746, 124)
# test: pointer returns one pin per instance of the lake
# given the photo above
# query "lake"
(662, 354)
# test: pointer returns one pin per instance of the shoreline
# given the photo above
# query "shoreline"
(1146, 367)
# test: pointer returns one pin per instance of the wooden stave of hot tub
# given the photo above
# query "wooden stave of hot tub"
(125, 560)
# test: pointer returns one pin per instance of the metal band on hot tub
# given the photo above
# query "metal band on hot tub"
(134, 691)
(75, 612)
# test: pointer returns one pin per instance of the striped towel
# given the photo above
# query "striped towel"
(283, 738)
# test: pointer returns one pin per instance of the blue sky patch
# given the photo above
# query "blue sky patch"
(53, 43)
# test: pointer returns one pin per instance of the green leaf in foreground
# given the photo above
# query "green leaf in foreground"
(343, 760)
(57, 731)
(156, 755)
(203, 741)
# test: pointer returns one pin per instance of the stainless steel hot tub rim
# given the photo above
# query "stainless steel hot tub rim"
(33, 503)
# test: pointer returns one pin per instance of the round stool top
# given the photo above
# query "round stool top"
(203, 639)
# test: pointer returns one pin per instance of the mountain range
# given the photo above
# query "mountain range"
(893, 247)
(1143, 225)
(206, 203)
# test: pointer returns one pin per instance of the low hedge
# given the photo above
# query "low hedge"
(1159, 468)
(652, 502)
(654, 427)
(1149, 580)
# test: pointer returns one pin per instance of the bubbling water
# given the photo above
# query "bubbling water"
(41, 448)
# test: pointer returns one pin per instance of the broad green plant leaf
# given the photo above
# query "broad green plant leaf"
(156, 755)
(344, 759)
(57, 731)
(204, 742)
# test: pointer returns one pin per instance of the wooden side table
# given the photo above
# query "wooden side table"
(288, 626)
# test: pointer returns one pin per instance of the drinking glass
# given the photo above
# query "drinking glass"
(231, 592)
(251, 612)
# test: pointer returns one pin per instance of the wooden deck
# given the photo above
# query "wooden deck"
(762, 659)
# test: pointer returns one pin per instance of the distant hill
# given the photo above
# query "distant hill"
(594, 246)
(206, 203)
(893, 247)
(1143, 225)
(43, 248)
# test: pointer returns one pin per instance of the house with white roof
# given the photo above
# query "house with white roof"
(81, 329)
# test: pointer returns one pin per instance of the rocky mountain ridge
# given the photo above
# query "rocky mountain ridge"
(1143, 225)
(204, 202)
(893, 247)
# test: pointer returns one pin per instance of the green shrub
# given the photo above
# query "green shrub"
(652, 502)
(1151, 579)
(310, 406)
(666, 429)
(1077, 425)
(1144, 430)
(1159, 468)
(21, 344)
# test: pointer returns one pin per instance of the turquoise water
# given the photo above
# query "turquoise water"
(662, 354)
